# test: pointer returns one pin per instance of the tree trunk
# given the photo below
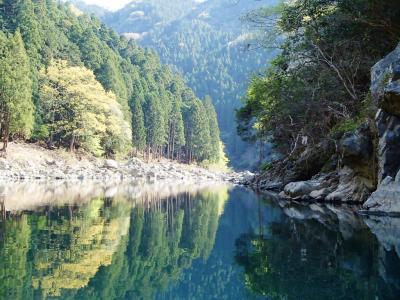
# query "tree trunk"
(5, 131)
(72, 144)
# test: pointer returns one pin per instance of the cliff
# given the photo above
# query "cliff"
(360, 167)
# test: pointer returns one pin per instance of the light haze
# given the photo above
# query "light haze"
(109, 4)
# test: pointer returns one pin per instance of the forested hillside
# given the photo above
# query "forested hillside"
(207, 43)
(70, 81)
(319, 86)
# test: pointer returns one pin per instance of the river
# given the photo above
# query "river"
(85, 241)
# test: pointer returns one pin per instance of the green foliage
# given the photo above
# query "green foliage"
(14, 270)
(205, 42)
(122, 94)
(320, 82)
(16, 107)
(154, 122)
(266, 166)
(348, 125)
(138, 126)
(80, 112)
(214, 130)
(198, 131)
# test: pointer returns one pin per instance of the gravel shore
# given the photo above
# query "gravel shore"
(27, 162)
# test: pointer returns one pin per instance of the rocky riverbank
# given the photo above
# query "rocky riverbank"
(26, 162)
(361, 167)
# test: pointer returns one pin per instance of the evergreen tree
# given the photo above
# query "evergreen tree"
(138, 128)
(72, 109)
(197, 132)
(155, 132)
(176, 136)
(214, 129)
(16, 106)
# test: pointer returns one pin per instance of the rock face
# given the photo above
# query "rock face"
(385, 200)
(351, 180)
(385, 90)
(389, 144)
(357, 172)
(313, 159)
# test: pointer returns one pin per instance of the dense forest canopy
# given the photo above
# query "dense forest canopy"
(70, 81)
(318, 87)
(207, 43)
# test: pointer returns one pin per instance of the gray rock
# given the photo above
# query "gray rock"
(111, 164)
(320, 194)
(271, 185)
(385, 89)
(357, 147)
(312, 160)
(389, 144)
(351, 188)
(50, 162)
(298, 189)
(151, 174)
(383, 73)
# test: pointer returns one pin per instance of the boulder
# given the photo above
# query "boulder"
(111, 164)
(351, 187)
(357, 147)
(298, 189)
(386, 199)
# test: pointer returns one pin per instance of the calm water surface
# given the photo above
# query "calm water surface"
(135, 242)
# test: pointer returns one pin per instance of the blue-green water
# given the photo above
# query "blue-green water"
(212, 243)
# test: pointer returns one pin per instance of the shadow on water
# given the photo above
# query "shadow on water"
(166, 241)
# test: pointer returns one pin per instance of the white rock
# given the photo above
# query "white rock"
(111, 164)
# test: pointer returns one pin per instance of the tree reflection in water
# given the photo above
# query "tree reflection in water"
(107, 248)
(318, 254)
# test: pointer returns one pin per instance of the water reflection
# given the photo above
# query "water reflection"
(321, 252)
(105, 247)
(162, 241)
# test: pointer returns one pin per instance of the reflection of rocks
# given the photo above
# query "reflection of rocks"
(342, 218)
(28, 195)
(386, 199)
(386, 230)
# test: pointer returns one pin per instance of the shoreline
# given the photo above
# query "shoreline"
(280, 195)
(30, 162)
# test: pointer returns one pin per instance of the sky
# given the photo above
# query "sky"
(109, 4)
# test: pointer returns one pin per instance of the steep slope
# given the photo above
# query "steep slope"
(163, 116)
(207, 43)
